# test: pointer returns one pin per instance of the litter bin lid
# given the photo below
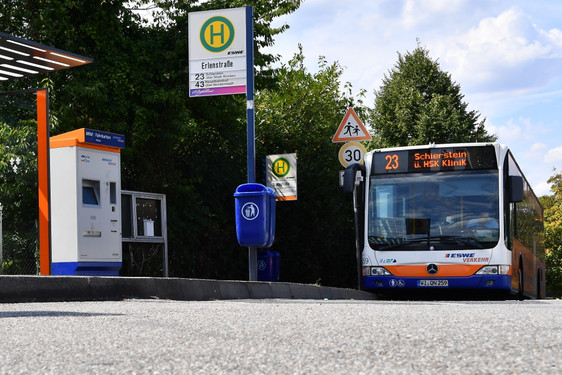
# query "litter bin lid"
(253, 189)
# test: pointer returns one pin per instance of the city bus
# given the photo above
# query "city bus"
(447, 217)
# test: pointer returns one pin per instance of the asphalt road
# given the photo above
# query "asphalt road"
(281, 337)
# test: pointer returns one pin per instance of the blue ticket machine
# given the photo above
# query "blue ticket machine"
(86, 203)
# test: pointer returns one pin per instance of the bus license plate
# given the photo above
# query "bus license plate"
(434, 283)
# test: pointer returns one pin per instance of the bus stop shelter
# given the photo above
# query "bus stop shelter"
(23, 58)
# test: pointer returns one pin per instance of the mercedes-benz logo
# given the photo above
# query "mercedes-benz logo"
(432, 269)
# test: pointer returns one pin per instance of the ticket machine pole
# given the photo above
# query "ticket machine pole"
(250, 116)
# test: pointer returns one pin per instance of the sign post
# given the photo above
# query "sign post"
(221, 62)
(351, 130)
(251, 127)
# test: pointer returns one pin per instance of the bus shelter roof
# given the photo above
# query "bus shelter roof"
(21, 57)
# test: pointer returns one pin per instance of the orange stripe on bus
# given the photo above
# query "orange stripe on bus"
(445, 270)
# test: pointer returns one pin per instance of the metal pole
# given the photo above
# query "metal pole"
(250, 94)
(357, 242)
(251, 131)
(1, 262)
(165, 234)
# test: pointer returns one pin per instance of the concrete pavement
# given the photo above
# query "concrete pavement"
(85, 288)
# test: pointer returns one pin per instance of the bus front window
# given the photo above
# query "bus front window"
(434, 211)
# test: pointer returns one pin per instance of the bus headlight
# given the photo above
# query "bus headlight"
(375, 271)
(501, 269)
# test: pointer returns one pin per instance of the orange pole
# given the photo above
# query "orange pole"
(43, 181)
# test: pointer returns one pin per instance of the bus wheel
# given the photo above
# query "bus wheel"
(520, 293)
(539, 278)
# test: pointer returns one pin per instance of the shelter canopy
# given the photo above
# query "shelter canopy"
(21, 57)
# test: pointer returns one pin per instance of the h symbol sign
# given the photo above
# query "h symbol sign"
(218, 34)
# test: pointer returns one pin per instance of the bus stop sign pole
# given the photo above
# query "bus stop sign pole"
(251, 131)
(206, 56)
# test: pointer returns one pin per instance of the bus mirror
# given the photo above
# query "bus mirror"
(350, 177)
(516, 189)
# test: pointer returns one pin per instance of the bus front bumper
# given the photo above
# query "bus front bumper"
(496, 282)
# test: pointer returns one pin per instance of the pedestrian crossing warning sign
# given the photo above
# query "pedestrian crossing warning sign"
(351, 129)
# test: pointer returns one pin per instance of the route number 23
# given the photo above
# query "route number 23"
(392, 162)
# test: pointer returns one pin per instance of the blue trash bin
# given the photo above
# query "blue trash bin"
(269, 264)
(255, 215)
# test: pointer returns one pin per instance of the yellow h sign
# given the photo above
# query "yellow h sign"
(281, 167)
(217, 34)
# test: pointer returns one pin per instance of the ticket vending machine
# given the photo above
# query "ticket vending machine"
(86, 203)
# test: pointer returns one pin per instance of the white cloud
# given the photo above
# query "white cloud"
(520, 130)
(538, 147)
(421, 13)
(541, 189)
(554, 155)
(504, 53)
(534, 153)
(506, 134)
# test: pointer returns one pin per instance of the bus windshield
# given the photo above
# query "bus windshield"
(434, 211)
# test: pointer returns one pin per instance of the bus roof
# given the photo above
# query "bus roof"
(440, 145)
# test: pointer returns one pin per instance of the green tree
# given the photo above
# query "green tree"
(314, 234)
(18, 194)
(553, 235)
(190, 149)
(418, 103)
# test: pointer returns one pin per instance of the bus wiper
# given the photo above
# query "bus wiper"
(406, 243)
(429, 239)
(465, 240)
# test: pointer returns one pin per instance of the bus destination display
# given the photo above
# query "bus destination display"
(434, 160)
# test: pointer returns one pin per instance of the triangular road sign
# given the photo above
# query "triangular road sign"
(351, 129)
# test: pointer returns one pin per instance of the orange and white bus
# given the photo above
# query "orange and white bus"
(449, 216)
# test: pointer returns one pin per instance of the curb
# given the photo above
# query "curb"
(88, 288)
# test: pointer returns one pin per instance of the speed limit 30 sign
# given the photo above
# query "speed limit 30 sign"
(351, 152)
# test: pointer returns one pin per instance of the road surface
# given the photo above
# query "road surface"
(282, 337)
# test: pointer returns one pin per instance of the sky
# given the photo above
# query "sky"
(506, 55)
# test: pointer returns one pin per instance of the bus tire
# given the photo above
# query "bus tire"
(521, 292)
(539, 279)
